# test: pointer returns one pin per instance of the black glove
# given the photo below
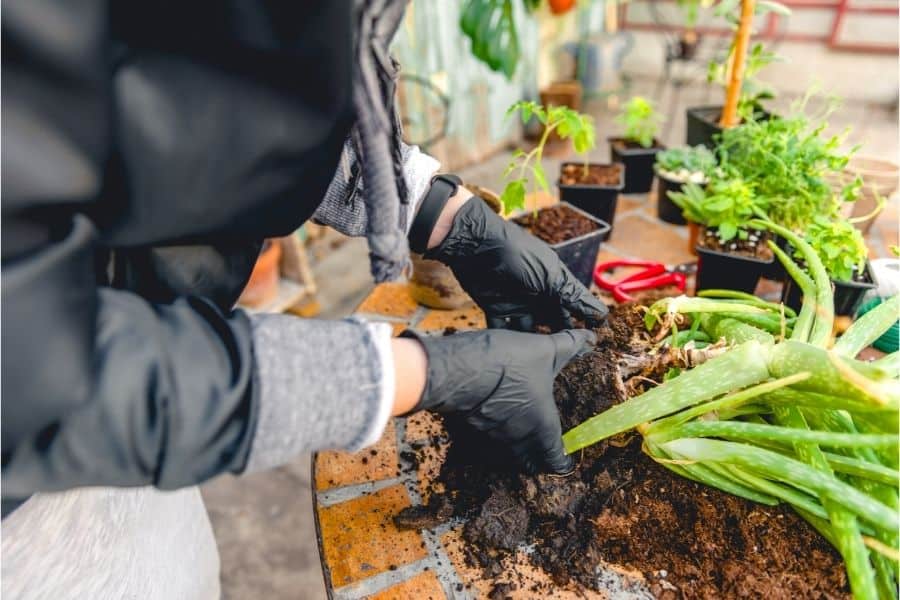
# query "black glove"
(501, 383)
(515, 278)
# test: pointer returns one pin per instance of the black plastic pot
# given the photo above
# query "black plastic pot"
(775, 271)
(580, 254)
(638, 165)
(703, 124)
(667, 210)
(848, 295)
(721, 270)
(599, 201)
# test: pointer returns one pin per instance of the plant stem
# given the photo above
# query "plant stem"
(738, 65)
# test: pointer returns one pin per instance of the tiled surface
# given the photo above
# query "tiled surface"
(356, 494)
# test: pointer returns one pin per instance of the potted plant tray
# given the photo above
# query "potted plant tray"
(638, 162)
(733, 265)
(596, 192)
(571, 232)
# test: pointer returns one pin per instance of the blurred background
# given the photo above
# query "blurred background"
(592, 55)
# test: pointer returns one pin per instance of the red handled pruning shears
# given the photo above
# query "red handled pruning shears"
(653, 275)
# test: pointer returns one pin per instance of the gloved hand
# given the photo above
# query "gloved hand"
(515, 278)
(501, 383)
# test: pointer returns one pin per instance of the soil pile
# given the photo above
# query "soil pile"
(620, 507)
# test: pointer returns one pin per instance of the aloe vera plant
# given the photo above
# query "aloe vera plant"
(786, 417)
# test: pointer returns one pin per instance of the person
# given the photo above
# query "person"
(149, 148)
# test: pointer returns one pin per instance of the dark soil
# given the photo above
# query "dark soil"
(557, 224)
(573, 174)
(620, 507)
(755, 246)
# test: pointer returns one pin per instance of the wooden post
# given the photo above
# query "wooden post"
(738, 64)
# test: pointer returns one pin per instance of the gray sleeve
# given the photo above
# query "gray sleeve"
(321, 385)
(344, 206)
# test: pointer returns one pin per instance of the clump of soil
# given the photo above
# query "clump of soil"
(573, 174)
(755, 246)
(557, 224)
(620, 507)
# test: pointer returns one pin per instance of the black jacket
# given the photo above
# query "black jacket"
(148, 147)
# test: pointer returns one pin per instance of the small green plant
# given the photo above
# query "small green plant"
(491, 27)
(728, 205)
(641, 121)
(568, 125)
(839, 245)
(695, 164)
(790, 163)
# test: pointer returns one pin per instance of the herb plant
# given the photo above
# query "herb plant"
(641, 121)
(728, 205)
(790, 419)
(789, 162)
(526, 166)
(695, 164)
(839, 245)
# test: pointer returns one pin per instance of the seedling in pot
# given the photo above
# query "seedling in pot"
(637, 147)
(527, 167)
(641, 122)
(732, 252)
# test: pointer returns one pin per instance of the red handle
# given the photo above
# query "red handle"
(651, 269)
(620, 292)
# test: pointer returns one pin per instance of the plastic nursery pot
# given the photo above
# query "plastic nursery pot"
(598, 200)
(848, 295)
(727, 271)
(579, 254)
(638, 163)
(703, 124)
(262, 286)
(667, 210)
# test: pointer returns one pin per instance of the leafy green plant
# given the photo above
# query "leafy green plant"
(790, 163)
(527, 166)
(728, 205)
(694, 164)
(839, 245)
(641, 121)
(491, 26)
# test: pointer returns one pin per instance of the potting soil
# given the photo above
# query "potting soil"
(572, 174)
(557, 224)
(755, 246)
(620, 507)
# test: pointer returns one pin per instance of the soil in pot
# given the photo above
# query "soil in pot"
(638, 163)
(733, 265)
(596, 191)
(619, 507)
(572, 233)
(848, 295)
